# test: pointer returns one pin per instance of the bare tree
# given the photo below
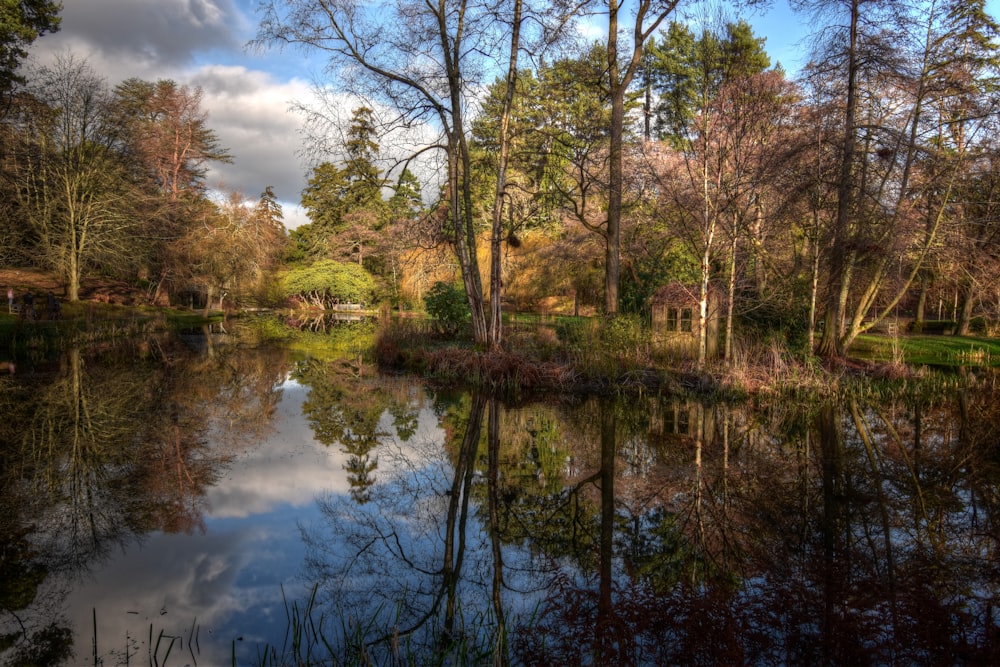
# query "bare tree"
(74, 190)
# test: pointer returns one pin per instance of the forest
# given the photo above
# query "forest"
(565, 176)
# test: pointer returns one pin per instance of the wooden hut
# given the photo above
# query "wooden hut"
(676, 321)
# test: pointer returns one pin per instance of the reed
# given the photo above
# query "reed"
(313, 638)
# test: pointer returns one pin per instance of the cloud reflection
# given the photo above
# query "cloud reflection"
(227, 583)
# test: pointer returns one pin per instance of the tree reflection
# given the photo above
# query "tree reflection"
(650, 532)
(111, 443)
(345, 407)
(402, 569)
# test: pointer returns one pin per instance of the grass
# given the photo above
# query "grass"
(87, 322)
(314, 638)
(929, 350)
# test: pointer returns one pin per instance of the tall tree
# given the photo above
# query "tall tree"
(76, 194)
(164, 132)
(345, 203)
(966, 68)
(21, 23)
(622, 68)
(899, 163)
(559, 135)
(719, 109)
(165, 126)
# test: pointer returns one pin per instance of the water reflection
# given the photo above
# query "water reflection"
(675, 532)
(100, 448)
(208, 480)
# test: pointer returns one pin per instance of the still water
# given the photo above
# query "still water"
(199, 499)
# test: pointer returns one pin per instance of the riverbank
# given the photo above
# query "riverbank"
(577, 355)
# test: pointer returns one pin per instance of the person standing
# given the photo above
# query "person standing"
(10, 299)
(28, 305)
(53, 306)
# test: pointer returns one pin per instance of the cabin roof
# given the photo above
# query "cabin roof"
(675, 293)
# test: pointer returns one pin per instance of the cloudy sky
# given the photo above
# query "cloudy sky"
(203, 43)
(247, 94)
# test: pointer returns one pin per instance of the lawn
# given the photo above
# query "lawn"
(929, 349)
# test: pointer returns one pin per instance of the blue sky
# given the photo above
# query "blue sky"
(249, 95)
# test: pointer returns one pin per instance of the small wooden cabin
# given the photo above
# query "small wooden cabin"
(675, 319)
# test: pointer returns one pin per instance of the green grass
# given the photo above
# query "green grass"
(929, 350)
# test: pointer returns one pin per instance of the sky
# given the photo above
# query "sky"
(249, 94)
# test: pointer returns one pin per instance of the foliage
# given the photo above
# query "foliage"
(326, 283)
(21, 23)
(446, 303)
(344, 200)
(624, 333)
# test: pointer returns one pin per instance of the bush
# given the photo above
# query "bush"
(326, 283)
(623, 333)
(446, 303)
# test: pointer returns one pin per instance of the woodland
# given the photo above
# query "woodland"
(562, 176)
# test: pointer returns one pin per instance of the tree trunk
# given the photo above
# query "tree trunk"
(731, 300)
(813, 292)
(495, 333)
(967, 299)
(836, 295)
(208, 299)
(612, 238)
(918, 323)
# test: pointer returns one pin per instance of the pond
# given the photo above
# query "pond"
(199, 500)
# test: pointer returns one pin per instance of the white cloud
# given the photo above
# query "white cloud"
(199, 43)
(250, 112)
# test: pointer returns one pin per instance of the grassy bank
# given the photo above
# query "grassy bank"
(928, 350)
(88, 322)
(593, 355)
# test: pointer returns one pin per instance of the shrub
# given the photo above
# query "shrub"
(446, 303)
(623, 333)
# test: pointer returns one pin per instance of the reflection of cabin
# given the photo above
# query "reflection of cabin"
(680, 420)
(675, 319)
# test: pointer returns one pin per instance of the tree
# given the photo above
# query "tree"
(234, 248)
(649, 14)
(899, 163)
(966, 69)
(345, 203)
(163, 131)
(21, 23)
(558, 162)
(423, 60)
(166, 128)
(76, 195)
(721, 111)
(405, 210)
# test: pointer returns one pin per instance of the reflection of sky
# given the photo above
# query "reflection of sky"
(228, 582)
(288, 467)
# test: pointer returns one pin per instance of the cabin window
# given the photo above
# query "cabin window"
(686, 320)
(671, 319)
